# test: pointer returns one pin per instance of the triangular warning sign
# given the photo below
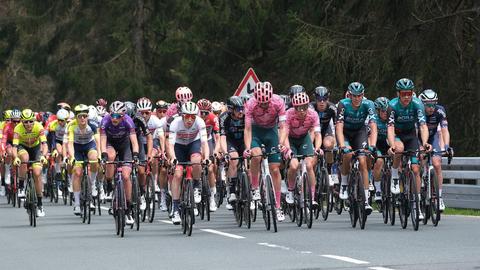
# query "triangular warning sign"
(247, 85)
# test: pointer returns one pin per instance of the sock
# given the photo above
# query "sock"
(395, 173)
(378, 185)
(175, 205)
(196, 183)
(76, 195)
(277, 199)
(367, 194)
(39, 201)
(440, 192)
(7, 174)
(213, 190)
(312, 190)
(344, 180)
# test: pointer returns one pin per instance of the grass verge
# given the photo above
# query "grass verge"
(461, 211)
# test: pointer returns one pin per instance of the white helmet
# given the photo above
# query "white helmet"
(144, 104)
(118, 107)
(189, 108)
(101, 111)
(62, 114)
(92, 113)
(216, 106)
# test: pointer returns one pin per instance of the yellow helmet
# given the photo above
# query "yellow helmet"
(7, 114)
(81, 108)
(28, 114)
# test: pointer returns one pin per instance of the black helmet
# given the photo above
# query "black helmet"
(294, 89)
(131, 108)
(234, 101)
(322, 91)
(286, 99)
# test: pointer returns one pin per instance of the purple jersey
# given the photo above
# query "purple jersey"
(117, 133)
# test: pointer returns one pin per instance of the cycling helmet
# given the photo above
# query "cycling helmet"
(7, 114)
(356, 88)
(92, 113)
(81, 108)
(381, 103)
(216, 106)
(63, 105)
(286, 99)
(131, 108)
(204, 105)
(101, 102)
(28, 115)
(16, 114)
(428, 96)
(161, 104)
(300, 99)
(234, 102)
(144, 104)
(404, 84)
(118, 107)
(101, 111)
(294, 89)
(189, 108)
(62, 114)
(183, 94)
(263, 92)
(245, 98)
(322, 92)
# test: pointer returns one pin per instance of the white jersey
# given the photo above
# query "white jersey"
(160, 131)
(180, 134)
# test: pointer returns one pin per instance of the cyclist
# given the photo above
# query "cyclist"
(212, 126)
(30, 144)
(327, 113)
(182, 94)
(6, 120)
(217, 108)
(57, 129)
(187, 141)
(101, 102)
(351, 129)
(161, 108)
(405, 114)
(436, 115)
(101, 111)
(7, 140)
(159, 135)
(381, 105)
(83, 145)
(265, 124)
(232, 125)
(301, 121)
(117, 137)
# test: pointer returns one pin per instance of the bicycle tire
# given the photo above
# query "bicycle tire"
(385, 204)
(83, 198)
(424, 206)
(362, 213)
(183, 205)
(238, 204)
(190, 213)
(151, 203)
(135, 202)
(325, 195)
(391, 208)
(272, 203)
(307, 199)
(247, 219)
(29, 202)
(403, 203)
(263, 204)
(352, 207)
(434, 200)
(413, 200)
(298, 203)
(206, 195)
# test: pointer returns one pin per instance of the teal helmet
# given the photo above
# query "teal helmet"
(381, 103)
(356, 88)
(404, 84)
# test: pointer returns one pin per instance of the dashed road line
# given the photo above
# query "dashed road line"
(380, 268)
(223, 233)
(345, 259)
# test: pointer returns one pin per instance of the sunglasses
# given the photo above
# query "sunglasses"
(161, 110)
(356, 96)
(60, 120)
(83, 115)
(116, 115)
(406, 93)
(204, 113)
(301, 108)
(145, 113)
(239, 109)
(28, 122)
(189, 116)
(430, 105)
(321, 99)
(15, 121)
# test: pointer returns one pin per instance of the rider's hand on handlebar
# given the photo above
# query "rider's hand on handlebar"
(247, 153)
(391, 151)
(135, 157)
(427, 147)
(17, 161)
(104, 157)
(43, 160)
(54, 153)
(319, 152)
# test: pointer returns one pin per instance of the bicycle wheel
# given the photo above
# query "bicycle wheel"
(338, 203)
(151, 198)
(352, 207)
(238, 204)
(413, 201)
(391, 208)
(247, 217)
(190, 217)
(298, 202)
(136, 202)
(362, 214)
(385, 207)
(325, 195)
(271, 201)
(434, 200)
(97, 198)
(221, 189)
(308, 204)
(318, 189)
(424, 205)
(263, 204)
(83, 198)
(403, 202)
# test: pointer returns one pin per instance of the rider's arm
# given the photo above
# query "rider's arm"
(424, 133)
(339, 126)
(391, 127)
(247, 135)
(134, 141)
(203, 138)
(149, 144)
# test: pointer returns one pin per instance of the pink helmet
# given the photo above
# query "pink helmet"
(300, 99)
(263, 92)
(204, 104)
(183, 94)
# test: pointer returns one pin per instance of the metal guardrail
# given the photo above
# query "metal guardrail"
(461, 180)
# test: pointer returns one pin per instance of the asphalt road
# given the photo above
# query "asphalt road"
(60, 240)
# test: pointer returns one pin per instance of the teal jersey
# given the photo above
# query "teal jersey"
(405, 118)
(354, 119)
(381, 129)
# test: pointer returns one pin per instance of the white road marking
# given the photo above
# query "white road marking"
(380, 268)
(306, 252)
(223, 233)
(165, 221)
(104, 208)
(273, 246)
(345, 259)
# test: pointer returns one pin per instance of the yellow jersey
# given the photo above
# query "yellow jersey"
(29, 139)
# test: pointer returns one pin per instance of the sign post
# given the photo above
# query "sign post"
(247, 85)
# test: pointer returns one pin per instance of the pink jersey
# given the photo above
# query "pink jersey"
(265, 118)
(297, 127)
(172, 110)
